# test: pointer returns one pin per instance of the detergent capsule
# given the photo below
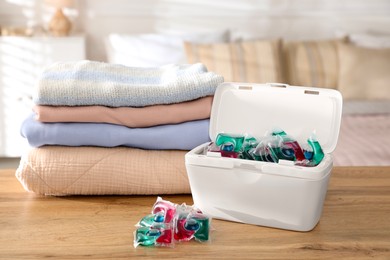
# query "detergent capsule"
(248, 147)
(143, 237)
(152, 232)
(318, 153)
(229, 142)
(307, 151)
(181, 233)
(267, 149)
(289, 147)
(147, 221)
(287, 153)
(166, 208)
(191, 225)
(202, 227)
(165, 238)
(313, 153)
(227, 147)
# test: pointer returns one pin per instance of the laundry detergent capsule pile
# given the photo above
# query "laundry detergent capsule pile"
(170, 223)
(270, 148)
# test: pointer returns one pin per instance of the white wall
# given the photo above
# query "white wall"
(290, 19)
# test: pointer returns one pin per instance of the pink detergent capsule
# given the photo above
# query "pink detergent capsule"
(180, 232)
(166, 207)
(166, 237)
(288, 142)
(296, 148)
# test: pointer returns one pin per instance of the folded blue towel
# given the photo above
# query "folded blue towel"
(184, 136)
(85, 83)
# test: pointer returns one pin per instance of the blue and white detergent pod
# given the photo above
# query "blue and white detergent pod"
(283, 194)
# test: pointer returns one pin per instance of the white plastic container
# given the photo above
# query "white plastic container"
(261, 193)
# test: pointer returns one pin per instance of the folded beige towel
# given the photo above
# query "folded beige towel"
(60, 171)
(128, 116)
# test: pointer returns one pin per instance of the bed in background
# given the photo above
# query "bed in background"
(364, 138)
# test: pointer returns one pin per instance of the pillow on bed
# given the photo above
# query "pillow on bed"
(364, 73)
(153, 50)
(247, 61)
(311, 63)
(370, 40)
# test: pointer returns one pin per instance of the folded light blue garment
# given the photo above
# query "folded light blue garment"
(86, 83)
(184, 136)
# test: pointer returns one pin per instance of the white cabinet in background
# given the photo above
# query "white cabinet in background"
(21, 62)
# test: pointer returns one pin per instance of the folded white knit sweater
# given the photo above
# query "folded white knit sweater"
(85, 83)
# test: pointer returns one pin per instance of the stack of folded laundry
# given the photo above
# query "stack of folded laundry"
(101, 128)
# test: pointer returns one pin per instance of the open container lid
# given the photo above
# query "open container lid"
(257, 109)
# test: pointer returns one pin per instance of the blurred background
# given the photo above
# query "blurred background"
(156, 32)
(289, 19)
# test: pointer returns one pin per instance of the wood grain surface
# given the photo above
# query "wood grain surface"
(355, 224)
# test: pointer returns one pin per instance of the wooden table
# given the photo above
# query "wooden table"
(355, 223)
